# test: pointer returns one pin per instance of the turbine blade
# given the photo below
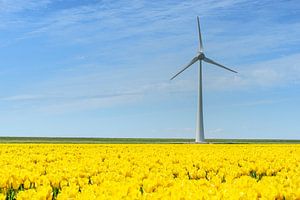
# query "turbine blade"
(200, 38)
(187, 66)
(215, 63)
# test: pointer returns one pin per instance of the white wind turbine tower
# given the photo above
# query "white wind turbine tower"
(200, 57)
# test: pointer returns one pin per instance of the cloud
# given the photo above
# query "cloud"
(56, 101)
(33, 97)
(12, 13)
(277, 72)
(22, 97)
(14, 6)
(250, 42)
(215, 131)
(121, 19)
(262, 102)
(80, 91)
(86, 103)
(151, 30)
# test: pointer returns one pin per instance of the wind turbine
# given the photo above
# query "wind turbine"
(200, 57)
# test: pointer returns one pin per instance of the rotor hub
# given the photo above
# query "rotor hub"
(201, 55)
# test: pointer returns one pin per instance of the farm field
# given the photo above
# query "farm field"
(149, 171)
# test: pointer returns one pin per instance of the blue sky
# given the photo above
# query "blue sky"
(102, 68)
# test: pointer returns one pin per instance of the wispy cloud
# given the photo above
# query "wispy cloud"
(275, 72)
(75, 100)
(120, 19)
(261, 102)
(113, 22)
(86, 103)
(65, 94)
(215, 131)
(14, 6)
(24, 97)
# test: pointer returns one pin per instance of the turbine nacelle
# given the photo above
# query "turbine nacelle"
(201, 56)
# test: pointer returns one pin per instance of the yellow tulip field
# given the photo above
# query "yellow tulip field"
(149, 171)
